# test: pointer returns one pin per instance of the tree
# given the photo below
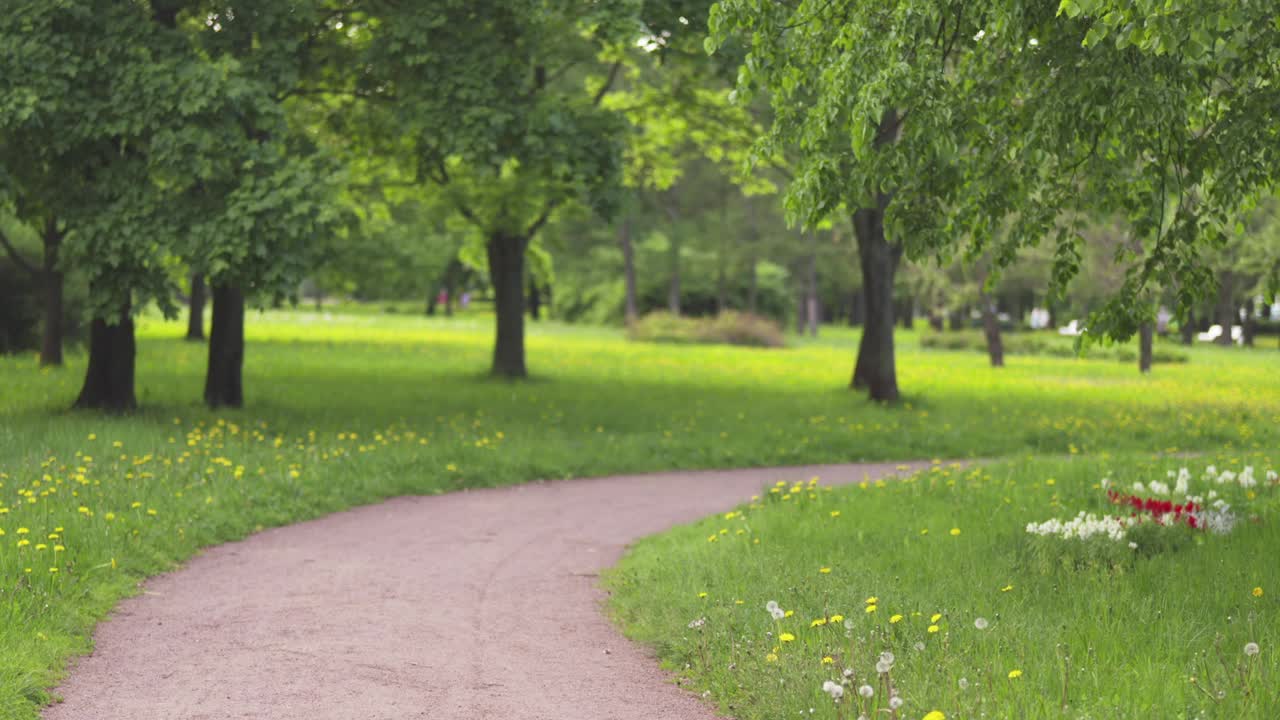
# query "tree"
(48, 273)
(941, 122)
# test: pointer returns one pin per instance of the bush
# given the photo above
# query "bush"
(728, 328)
(19, 312)
(1043, 344)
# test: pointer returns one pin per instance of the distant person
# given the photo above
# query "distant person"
(442, 297)
(465, 300)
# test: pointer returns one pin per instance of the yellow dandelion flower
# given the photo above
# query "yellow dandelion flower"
(871, 609)
(702, 594)
(936, 617)
(24, 542)
(872, 600)
(786, 637)
(788, 613)
(825, 570)
(23, 531)
(817, 623)
(771, 657)
(837, 618)
(835, 513)
(828, 660)
(935, 715)
(1015, 674)
(1257, 592)
(933, 629)
(42, 546)
(1006, 588)
(955, 531)
(895, 619)
(737, 602)
(53, 571)
(924, 531)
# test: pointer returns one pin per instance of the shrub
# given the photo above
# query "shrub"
(728, 328)
(1043, 344)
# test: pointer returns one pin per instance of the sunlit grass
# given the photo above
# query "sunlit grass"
(345, 410)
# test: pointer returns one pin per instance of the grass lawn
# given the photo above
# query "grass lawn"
(346, 410)
(982, 618)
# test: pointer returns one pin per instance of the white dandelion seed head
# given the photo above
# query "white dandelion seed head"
(883, 667)
(981, 623)
(895, 702)
(866, 691)
(848, 672)
(964, 683)
(771, 605)
(1251, 649)
(778, 613)
(834, 689)
(919, 646)
(888, 657)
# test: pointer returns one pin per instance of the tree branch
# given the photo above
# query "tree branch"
(608, 83)
(542, 219)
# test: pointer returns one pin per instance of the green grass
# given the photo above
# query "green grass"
(1090, 629)
(346, 410)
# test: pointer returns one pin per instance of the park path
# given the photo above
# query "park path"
(473, 605)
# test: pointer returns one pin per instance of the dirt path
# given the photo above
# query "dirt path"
(473, 605)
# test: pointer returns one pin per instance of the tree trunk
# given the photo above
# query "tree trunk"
(195, 310)
(432, 295)
(875, 369)
(1144, 347)
(52, 282)
(908, 313)
(1250, 325)
(1226, 310)
(1188, 329)
(673, 291)
(631, 311)
(811, 287)
(223, 384)
(506, 274)
(109, 379)
(535, 300)
(991, 328)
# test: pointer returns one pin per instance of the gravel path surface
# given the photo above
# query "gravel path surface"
(474, 605)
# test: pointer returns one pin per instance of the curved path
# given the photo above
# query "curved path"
(477, 604)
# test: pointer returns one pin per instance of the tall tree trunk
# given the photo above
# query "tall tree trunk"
(908, 313)
(109, 379)
(631, 310)
(1226, 308)
(991, 328)
(195, 309)
(811, 287)
(223, 383)
(1250, 324)
(506, 274)
(1187, 329)
(432, 301)
(52, 283)
(876, 369)
(1144, 347)
(673, 290)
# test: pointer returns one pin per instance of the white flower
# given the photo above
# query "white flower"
(887, 656)
(981, 623)
(848, 672)
(1138, 488)
(895, 702)
(1033, 42)
(1133, 545)
(697, 624)
(1272, 476)
(1251, 649)
(771, 605)
(883, 667)
(778, 613)
(1183, 482)
(1158, 487)
(964, 683)
(866, 691)
(835, 690)
(981, 34)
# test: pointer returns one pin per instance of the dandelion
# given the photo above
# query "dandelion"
(935, 618)
(919, 646)
(888, 657)
(825, 570)
(871, 609)
(778, 613)
(866, 691)
(883, 667)
(837, 618)
(771, 657)
(1015, 674)
(964, 683)
(786, 637)
(702, 595)
(828, 660)
(933, 629)
(935, 715)
(895, 619)
(1006, 588)
(818, 623)
(955, 531)
(1251, 649)
(895, 702)
(697, 624)
(834, 689)
(872, 600)
(981, 623)
(1257, 592)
